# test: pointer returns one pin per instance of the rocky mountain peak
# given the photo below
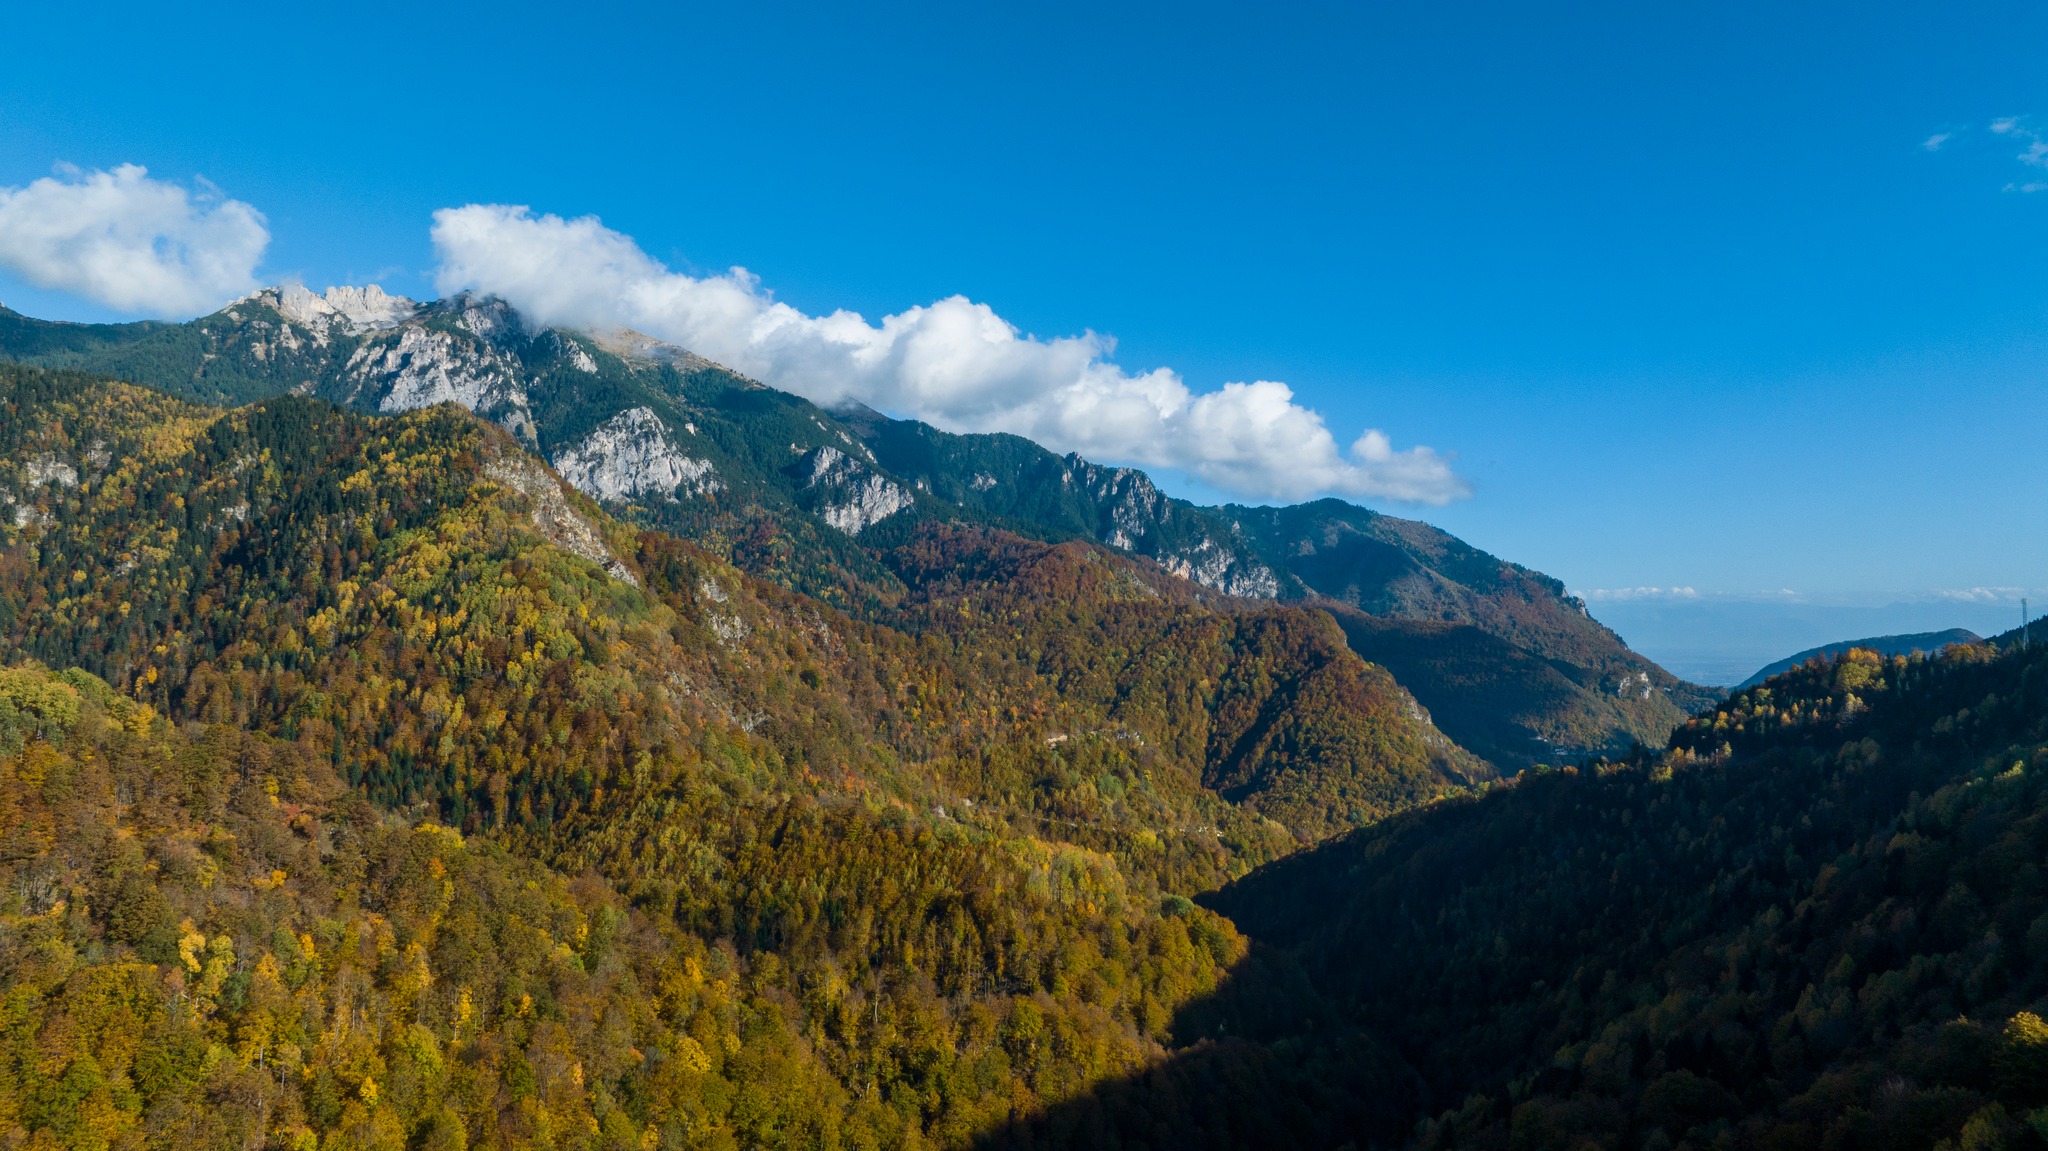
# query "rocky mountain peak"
(363, 309)
(643, 350)
(667, 436)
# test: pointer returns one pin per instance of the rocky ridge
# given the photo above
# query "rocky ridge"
(630, 455)
(812, 498)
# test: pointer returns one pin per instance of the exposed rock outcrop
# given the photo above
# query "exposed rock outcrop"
(632, 455)
(557, 519)
(855, 497)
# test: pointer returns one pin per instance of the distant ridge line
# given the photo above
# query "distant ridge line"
(1909, 644)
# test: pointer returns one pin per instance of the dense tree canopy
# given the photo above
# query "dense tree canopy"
(1818, 920)
(362, 785)
(921, 875)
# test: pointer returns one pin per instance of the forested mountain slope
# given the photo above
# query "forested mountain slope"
(812, 500)
(392, 793)
(1910, 644)
(1518, 669)
(1819, 919)
(297, 565)
(922, 874)
(208, 940)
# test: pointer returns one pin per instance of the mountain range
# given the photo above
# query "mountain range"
(876, 849)
(1511, 666)
(632, 756)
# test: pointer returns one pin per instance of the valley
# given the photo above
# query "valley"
(424, 730)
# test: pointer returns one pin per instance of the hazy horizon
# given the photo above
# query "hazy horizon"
(1720, 640)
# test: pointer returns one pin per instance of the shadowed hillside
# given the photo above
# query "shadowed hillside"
(1816, 920)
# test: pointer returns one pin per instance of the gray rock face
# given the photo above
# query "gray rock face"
(641, 349)
(554, 516)
(1635, 684)
(1136, 511)
(42, 471)
(631, 455)
(418, 367)
(856, 497)
(580, 359)
(48, 469)
(1214, 567)
(349, 309)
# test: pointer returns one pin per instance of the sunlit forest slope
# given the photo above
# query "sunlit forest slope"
(385, 791)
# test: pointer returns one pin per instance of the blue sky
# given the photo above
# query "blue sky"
(1680, 288)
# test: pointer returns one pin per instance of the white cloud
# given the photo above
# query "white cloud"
(2034, 155)
(1933, 143)
(1979, 594)
(133, 243)
(1632, 594)
(953, 363)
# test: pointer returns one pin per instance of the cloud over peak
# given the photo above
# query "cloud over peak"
(131, 242)
(953, 363)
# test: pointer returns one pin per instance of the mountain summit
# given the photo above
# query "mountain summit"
(1510, 665)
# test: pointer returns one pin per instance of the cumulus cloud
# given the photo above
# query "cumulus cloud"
(1933, 143)
(953, 363)
(131, 242)
(1635, 594)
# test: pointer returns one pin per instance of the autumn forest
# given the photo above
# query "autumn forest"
(365, 785)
